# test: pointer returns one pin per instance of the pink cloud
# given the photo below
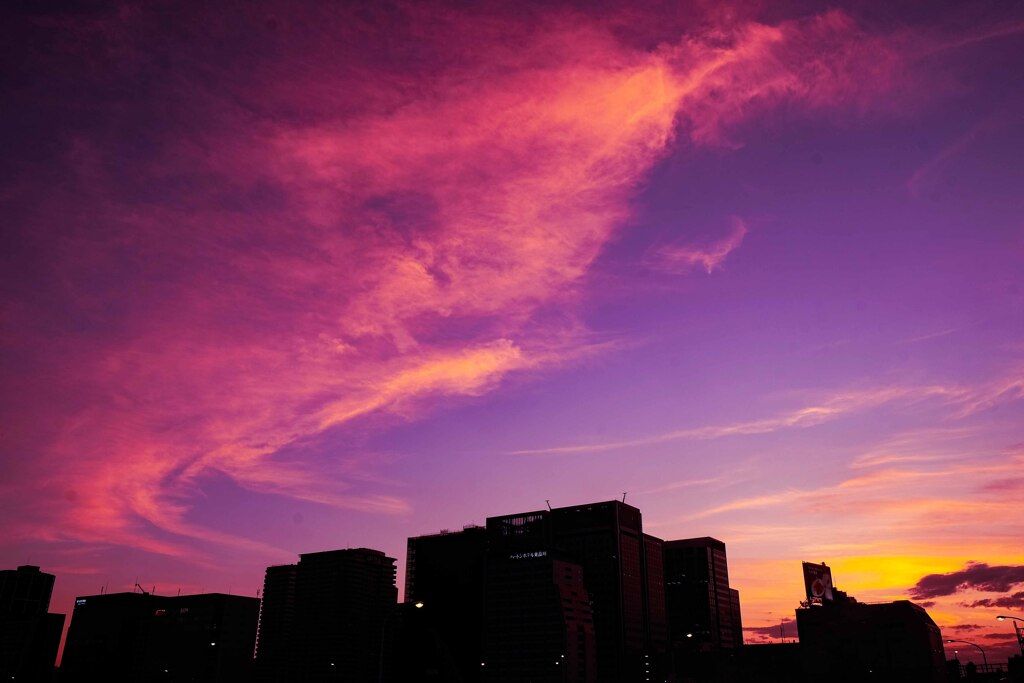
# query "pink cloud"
(680, 258)
(304, 240)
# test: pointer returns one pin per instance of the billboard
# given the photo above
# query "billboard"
(818, 582)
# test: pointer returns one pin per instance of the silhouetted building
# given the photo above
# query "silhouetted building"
(770, 663)
(445, 572)
(737, 618)
(146, 637)
(277, 619)
(1015, 667)
(704, 620)
(338, 611)
(845, 640)
(29, 634)
(545, 568)
(703, 611)
(539, 622)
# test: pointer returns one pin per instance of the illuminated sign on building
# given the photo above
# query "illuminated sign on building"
(524, 556)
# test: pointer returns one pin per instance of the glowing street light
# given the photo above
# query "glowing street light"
(984, 658)
(1018, 630)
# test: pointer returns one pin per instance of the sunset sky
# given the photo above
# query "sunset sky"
(286, 277)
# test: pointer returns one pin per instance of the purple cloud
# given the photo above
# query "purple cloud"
(964, 627)
(974, 575)
(1015, 601)
(773, 631)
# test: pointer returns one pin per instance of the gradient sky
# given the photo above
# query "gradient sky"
(282, 277)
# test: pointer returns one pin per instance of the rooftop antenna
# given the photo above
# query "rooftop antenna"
(141, 589)
(623, 496)
(549, 504)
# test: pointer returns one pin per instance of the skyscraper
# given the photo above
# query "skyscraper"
(595, 555)
(698, 597)
(29, 634)
(538, 612)
(445, 572)
(324, 620)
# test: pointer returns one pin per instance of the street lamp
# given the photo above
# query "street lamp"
(1019, 630)
(983, 657)
(383, 634)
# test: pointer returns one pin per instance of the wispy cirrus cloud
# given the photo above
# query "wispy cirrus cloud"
(279, 244)
(955, 402)
(829, 408)
(681, 258)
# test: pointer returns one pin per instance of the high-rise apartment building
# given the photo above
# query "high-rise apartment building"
(277, 619)
(29, 634)
(324, 619)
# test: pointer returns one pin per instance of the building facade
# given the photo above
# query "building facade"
(145, 637)
(842, 639)
(444, 573)
(846, 640)
(325, 619)
(29, 633)
(598, 556)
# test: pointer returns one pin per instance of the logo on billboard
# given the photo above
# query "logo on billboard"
(818, 582)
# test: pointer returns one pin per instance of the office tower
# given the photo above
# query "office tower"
(445, 573)
(845, 640)
(737, 618)
(341, 603)
(29, 634)
(698, 597)
(146, 637)
(599, 548)
(539, 623)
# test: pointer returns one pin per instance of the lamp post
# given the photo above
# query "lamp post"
(1019, 630)
(383, 635)
(984, 658)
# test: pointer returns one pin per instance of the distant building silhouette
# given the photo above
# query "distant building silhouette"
(445, 572)
(737, 618)
(29, 634)
(277, 619)
(323, 620)
(845, 640)
(558, 578)
(703, 610)
(145, 637)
